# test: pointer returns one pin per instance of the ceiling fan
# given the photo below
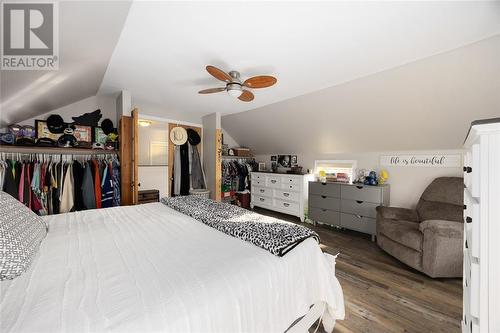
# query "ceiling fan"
(235, 87)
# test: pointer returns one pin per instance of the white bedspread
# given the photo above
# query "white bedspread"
(149, 268)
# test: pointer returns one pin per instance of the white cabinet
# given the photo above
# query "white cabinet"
(285, 193)
(481, 281)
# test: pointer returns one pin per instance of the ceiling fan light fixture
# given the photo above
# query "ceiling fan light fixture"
(234, 90)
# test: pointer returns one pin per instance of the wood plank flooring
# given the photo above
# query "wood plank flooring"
(382, 294)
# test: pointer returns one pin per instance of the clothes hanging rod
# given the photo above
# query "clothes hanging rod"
(54, 150)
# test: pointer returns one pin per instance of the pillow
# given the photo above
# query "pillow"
(21, 232)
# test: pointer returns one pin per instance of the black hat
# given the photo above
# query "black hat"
(107, 126)
(55, 124)
(46, 142)
(193, 137)
(25, 141)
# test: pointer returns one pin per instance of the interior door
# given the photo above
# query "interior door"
(129, 158)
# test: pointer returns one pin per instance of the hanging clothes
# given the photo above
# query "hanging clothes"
(9, 182)
(185, 181)
(197, 179)
(97, 183)
(107, 189)
(88, 191)
(116, 183)
(78, 182)
(67, 196)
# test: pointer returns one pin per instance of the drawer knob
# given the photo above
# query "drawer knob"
(468, 219)
(291, 186)
(323, 196)
(273, 181)
(467, 169)
(359, 187)
(286, 204)
(261, 199)
(466, 245)
(465, 207)
(262, 191)
(359, 201)
(286, 194)
(291, 180)
(323, 183)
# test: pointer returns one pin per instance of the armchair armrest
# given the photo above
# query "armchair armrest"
(396, 213)
(443, 228)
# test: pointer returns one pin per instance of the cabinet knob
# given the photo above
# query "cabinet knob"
(359, 201)
(323, 196)
(286, 204)
(468, 219)
(286, 194)
(467, 169)
(465, 207)
(359, 187)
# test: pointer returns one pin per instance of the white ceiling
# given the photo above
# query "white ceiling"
(88, 33)
(165, 46)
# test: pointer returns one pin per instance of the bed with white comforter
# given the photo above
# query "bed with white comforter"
(149, 268)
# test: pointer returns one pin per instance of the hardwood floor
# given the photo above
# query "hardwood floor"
(382, 294)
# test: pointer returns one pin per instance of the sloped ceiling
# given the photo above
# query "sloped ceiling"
(309, 46)
(88, 33)
(427, 104)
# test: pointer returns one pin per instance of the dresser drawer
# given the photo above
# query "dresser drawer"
(328, 189)
(286, 195)
(263, 191)
(361, 193)
(274, 182)
(258, 182)
(291, 187)
(258, 176)
(325, 216)
(262, 201)
(362, 208)
(322, 201)
(359, 223)
(290, 180)
(293, 207)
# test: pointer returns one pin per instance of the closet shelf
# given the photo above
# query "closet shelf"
(227, 157)
(54, 150)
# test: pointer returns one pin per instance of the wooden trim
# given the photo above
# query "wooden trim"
(135, 155)
(125, 151)
(198, 130)
(218, 164)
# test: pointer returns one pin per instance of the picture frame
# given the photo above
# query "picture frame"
(274, 158)
(293, 160)
(81, 133)
(284, 161)
(99, 136)
(262, 166)
(42, 131)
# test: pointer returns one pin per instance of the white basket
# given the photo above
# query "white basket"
(200, 193)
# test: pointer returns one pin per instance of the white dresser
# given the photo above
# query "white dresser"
(481, 282)
(285, 193)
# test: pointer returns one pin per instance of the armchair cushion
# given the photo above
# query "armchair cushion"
(429, 210)
(443, 228)
(402, 232)
(396, 213)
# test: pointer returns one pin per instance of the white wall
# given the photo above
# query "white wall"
(107, 105)
(407, 183)
(160, 111)
(229, 140)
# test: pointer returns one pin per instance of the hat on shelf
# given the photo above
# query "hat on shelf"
(178, 136)
(46, 142)
(107, 126)
(193, 137)
(55, 124)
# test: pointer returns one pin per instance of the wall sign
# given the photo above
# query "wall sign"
(444, 161)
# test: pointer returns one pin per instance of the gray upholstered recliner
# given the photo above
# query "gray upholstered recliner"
(429, 238)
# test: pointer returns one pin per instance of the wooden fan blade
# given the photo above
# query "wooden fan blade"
(261, 81)
(211, 90)
(218, 73)
(246, 96)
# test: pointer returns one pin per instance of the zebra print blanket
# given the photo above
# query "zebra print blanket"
(271, 234)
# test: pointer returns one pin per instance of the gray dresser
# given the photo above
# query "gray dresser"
(350, 206)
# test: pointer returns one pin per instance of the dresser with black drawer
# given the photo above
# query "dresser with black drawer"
(350, 206)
